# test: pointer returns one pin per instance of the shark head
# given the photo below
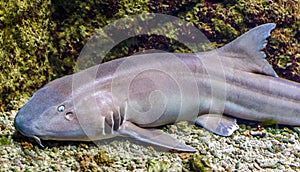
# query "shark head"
(50, 113)
(68, 110)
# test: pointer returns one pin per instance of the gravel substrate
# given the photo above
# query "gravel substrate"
(249, 149)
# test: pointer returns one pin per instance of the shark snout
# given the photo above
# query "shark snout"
(25, 128)
(22, 125)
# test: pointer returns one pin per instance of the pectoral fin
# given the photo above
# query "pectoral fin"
(217, 124)
(154, 136)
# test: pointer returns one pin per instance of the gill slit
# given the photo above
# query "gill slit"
(112, 121)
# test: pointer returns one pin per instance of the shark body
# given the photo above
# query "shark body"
(130, 96)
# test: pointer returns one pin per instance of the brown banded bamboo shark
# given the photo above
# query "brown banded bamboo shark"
(132, 95)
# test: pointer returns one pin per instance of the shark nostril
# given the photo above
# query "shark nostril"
(69, 116)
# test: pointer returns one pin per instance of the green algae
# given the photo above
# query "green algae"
(268, 122)
(200, 163)
(154, 165)
(102, 158)
(24, 49)
(5, 140)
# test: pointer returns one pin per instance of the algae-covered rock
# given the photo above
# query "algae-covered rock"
(200, 163)
(5, 140)
(163, 164)
(102, 158)
(26, 47)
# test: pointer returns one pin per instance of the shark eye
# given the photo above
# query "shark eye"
(61, 108)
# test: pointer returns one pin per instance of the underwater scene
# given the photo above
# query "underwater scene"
(42, 41)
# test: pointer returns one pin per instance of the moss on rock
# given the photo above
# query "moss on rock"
(25, 48)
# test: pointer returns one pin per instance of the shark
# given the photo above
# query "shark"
(134, 95)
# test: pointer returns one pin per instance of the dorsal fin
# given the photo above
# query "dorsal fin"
(246, 50)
